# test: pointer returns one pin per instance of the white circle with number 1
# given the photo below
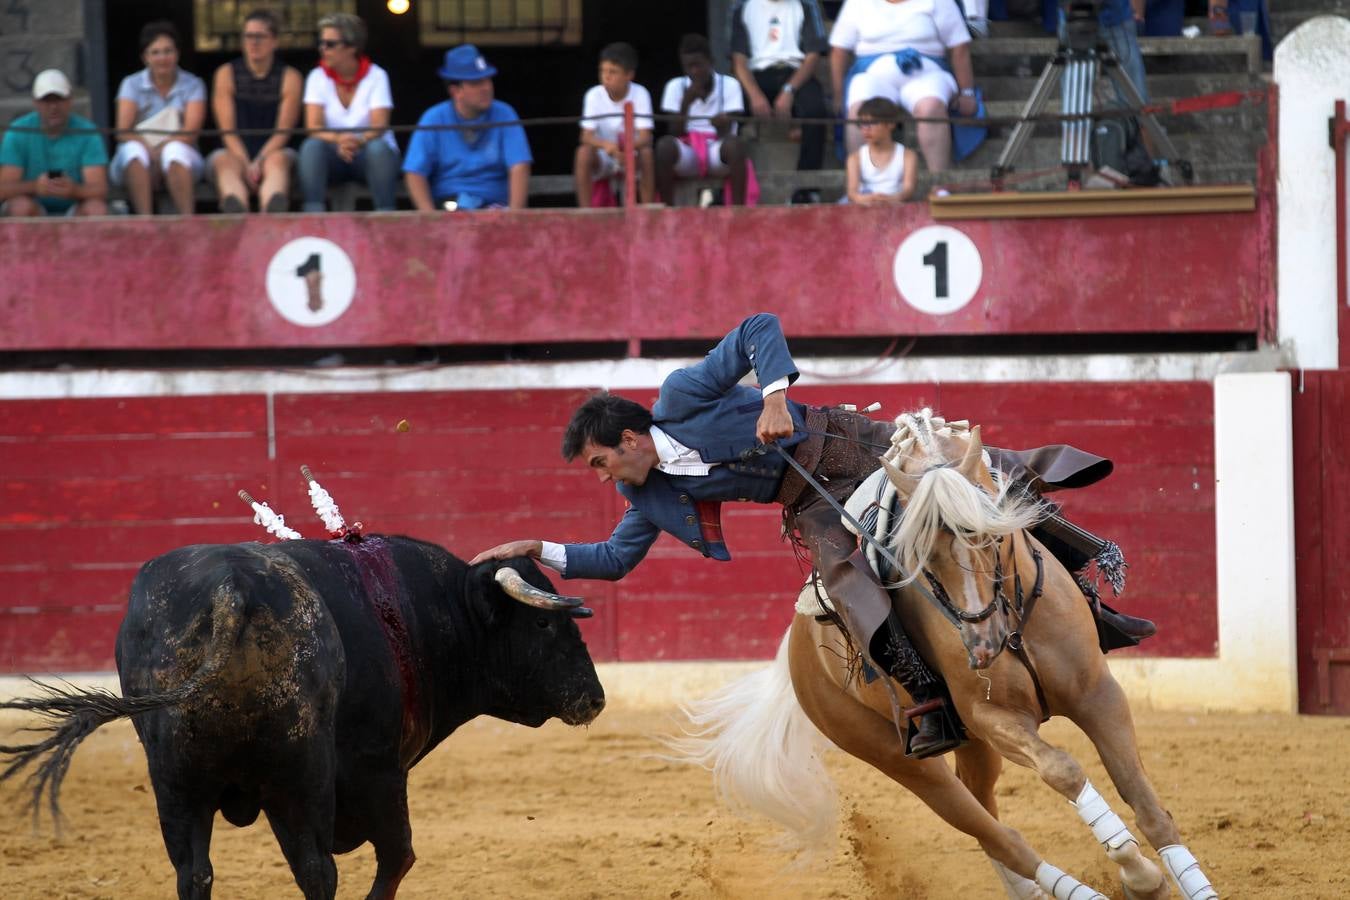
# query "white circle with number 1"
(938, 269)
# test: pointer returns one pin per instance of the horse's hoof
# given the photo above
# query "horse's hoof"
(1161, 892)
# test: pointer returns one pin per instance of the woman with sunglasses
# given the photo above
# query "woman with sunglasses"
(347, 109)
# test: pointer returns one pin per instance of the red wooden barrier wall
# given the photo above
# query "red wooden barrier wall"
(91, 488)
(549, 276)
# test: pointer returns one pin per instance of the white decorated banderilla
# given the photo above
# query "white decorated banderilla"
(274, 522)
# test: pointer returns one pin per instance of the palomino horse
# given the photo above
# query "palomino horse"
(964, 533)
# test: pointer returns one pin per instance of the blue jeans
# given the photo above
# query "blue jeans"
(1124, 43)
(377, 164)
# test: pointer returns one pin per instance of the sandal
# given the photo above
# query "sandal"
(1219, 25)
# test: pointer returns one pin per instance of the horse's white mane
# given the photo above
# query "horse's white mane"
(943, 498)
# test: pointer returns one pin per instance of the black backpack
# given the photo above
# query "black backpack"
(1118, 143)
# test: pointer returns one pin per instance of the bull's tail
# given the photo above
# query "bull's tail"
(71, 714)
(765, 754)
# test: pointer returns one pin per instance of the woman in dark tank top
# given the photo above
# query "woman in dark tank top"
(256, 101)
(255, 92)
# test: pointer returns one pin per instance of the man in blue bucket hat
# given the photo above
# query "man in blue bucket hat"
(459, 156)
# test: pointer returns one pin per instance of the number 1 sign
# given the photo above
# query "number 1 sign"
(938, 269)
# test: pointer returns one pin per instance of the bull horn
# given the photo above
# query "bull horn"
(971, 462)
(518, 588)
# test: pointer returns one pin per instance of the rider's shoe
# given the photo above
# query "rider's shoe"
(936, 731)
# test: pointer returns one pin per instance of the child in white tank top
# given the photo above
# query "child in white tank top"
(881, 170)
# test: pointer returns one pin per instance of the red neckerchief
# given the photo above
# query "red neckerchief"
(362, 67)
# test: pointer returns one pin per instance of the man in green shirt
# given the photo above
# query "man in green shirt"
(52, 162)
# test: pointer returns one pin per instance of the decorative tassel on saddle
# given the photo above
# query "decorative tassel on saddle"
(1107, 565)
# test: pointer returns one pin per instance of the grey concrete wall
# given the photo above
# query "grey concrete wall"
(37, 35)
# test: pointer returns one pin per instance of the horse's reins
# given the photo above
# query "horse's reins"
(866, 535)
(1022, 609)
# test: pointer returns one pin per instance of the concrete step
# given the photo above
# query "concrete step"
(1249, 117)
(1052, 178)
(1189, 84)
(1042, 149)
(1028, 55)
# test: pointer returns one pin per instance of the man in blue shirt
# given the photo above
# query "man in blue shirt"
(471, 167)
(52, 162)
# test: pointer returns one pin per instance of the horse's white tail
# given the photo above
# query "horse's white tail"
(765, 755)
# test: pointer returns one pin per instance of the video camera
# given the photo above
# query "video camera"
(1080, 24)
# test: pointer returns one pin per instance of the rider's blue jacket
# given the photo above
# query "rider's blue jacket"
(705, 408)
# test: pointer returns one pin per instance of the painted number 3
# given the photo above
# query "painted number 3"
(938, 269)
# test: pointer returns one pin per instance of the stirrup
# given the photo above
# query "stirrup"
(951, 734)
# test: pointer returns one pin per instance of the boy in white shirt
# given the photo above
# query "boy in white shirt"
(702, 141)
(600, 151)
(881, 170)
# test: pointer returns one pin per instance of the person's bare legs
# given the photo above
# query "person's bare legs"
(139, 188)
(734, 157)
(583, 174)
(852, 134)
(229, 171)
(935, 138)
(92, 208)
(22, 207)
(276, 183)
(646, 175)
(667, 155)
(179, 182)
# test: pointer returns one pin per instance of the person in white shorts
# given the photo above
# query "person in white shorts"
(702, 140)
(599, 158)
(915, 53)
(882, 170)
(160, 109)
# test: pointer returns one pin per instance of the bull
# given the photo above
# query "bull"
(304, 679)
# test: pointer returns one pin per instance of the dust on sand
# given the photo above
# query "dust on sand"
(504, 811)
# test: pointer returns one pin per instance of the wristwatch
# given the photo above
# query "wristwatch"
(968, 92)
(787, 87)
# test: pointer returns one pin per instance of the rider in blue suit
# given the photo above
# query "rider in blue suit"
(702, 444)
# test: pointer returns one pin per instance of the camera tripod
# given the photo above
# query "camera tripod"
(1077, 62)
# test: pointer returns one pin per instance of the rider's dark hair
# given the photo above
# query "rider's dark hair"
(602, 420)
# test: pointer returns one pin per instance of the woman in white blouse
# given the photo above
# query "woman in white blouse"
(347, 91)
(915, 53)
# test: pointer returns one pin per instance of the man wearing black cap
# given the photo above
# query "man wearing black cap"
(474, 166)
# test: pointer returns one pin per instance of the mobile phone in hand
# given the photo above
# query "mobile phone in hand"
(56, 173)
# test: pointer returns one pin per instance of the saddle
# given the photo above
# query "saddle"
(876, 505)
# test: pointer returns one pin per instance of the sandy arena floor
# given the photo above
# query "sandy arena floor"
(504, 811)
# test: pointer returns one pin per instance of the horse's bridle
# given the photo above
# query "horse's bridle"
(1020, 606)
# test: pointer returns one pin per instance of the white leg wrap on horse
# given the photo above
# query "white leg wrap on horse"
(1017, 887)
(1106, 826)
(1185, 871)
(1063, 886)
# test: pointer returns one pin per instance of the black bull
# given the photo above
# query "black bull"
(304, 679)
